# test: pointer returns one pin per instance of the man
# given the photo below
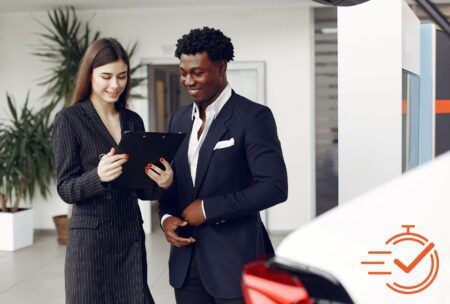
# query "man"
(229, 167)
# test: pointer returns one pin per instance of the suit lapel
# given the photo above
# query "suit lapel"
(216, 131)
(97, 124)
(127, 124)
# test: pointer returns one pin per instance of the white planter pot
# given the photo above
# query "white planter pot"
(16, 230)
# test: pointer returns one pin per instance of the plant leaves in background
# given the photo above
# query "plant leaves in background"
(26, 156)
(63, 45)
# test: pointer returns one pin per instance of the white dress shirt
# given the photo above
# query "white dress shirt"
(196, 143)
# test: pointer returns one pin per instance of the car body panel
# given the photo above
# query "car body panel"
(339, 240)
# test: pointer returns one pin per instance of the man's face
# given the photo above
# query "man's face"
(203, 78)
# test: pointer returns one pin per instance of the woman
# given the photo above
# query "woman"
(106, 257)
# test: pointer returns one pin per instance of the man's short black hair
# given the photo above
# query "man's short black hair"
(209, 40)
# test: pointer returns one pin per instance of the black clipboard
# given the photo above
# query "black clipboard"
(144, 148)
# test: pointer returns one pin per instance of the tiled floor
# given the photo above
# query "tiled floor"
(36, 274)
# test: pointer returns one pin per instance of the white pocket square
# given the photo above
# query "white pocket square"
(224, 144)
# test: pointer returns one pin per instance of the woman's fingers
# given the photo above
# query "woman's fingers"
(115, 171)
(110, 165)
(165, 163)
(153, 175)
(158, 170)
(114, 158)
(113, 174)
(112, 162)
(162, 177)
(117, 163)
(155, 168)
(111, 152)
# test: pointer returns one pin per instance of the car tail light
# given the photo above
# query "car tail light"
(262, 284)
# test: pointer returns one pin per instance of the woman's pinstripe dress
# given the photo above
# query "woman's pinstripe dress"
(106, 257)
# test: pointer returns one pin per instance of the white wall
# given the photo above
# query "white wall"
(374, 40)
(280, 36)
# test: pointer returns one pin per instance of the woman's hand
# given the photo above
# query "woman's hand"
(163, 178)
(110, 165)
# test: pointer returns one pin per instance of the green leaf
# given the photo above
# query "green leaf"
(26, 158)
(62, 45)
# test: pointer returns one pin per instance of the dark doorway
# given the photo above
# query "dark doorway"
(165, 94)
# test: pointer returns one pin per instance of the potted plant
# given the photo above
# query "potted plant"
(26, 165)
(63, 44)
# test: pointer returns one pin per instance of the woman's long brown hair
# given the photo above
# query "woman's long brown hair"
(100, 52)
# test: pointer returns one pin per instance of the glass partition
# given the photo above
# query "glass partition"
(410, 120)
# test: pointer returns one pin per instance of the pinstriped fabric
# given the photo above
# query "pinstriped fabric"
(106, 257)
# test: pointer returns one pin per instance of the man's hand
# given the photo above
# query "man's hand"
(170, 225)
(194, 213)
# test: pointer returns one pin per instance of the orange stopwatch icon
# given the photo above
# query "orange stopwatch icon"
(410, 262)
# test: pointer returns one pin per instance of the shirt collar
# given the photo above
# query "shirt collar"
(216, 106)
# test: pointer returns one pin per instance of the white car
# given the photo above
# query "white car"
(390, 245)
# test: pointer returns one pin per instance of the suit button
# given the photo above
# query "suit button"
(111, 250)
(222, 221)
(136, 244)
(110, 223)
(217, 223)
(108, 196)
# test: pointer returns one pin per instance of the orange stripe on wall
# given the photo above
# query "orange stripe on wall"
(443, 106)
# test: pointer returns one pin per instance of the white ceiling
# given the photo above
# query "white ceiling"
(7, 6)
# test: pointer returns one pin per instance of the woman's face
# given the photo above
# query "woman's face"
(109, 81)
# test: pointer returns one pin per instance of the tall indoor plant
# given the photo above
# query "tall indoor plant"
(26, 165)
(62, 45)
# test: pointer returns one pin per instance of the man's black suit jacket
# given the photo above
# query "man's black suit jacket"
(235, 183)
